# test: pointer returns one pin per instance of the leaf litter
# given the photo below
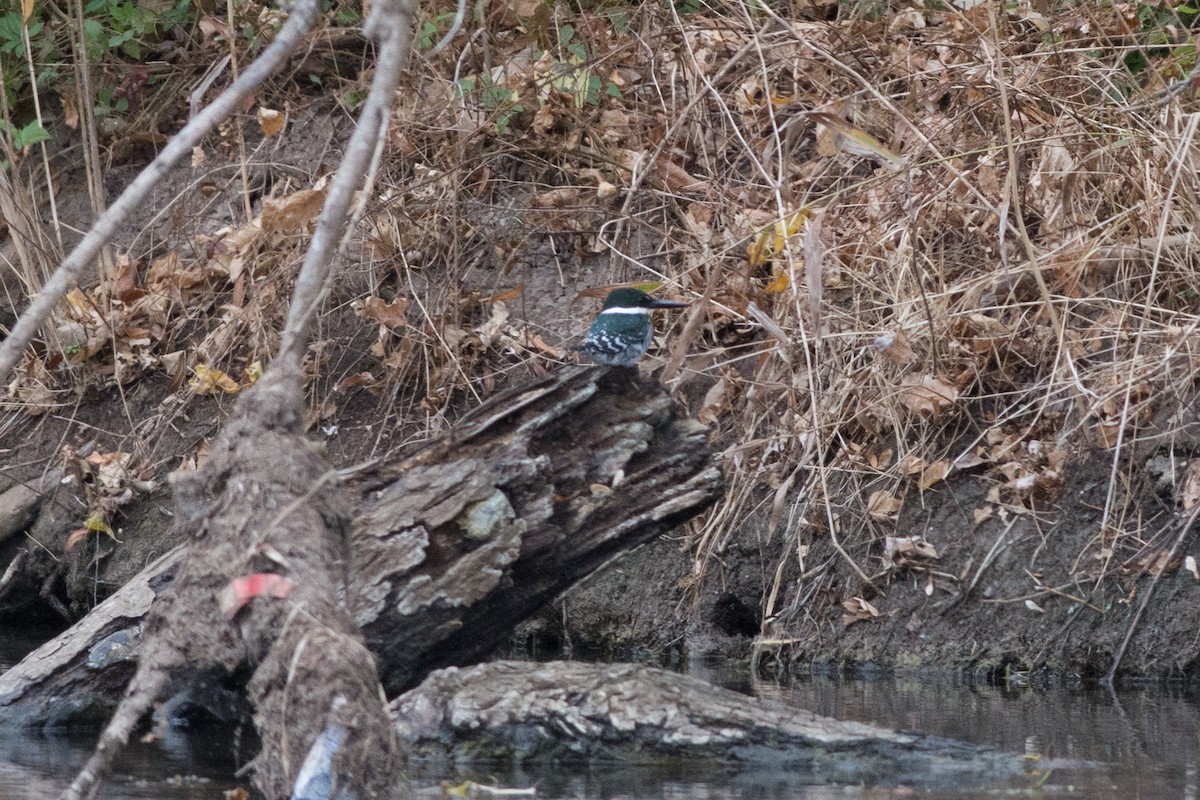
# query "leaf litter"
(935, 243)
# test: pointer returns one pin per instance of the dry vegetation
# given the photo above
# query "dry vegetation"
(919, 242)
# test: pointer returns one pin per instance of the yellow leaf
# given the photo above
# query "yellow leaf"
(756, 253)
(254, 372)
(208, 380)
(772, 239)
(779, 283)
(270, 121)
(96, 523)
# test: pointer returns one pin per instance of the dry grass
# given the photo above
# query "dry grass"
(925, 243)
(986, 265)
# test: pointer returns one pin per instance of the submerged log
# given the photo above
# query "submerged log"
(450, 546)
(572, 712)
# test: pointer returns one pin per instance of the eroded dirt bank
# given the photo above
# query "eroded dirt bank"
(1007, 596)
(943, 321)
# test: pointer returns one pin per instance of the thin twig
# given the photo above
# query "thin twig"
(144, 689)
(459, 16)
(390, 24)
(1107, 680)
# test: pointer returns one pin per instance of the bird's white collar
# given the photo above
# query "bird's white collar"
(625, 310)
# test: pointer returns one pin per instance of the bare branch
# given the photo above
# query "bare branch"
(390, 24)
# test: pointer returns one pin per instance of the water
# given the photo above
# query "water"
(1129, 745)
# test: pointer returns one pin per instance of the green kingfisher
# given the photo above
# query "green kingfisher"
(623, 329)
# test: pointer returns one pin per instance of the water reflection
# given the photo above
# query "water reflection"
(1087, 743)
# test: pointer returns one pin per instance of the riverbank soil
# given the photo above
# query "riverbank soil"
(943, 318)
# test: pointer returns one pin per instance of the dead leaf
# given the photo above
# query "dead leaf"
(208, 380)
(926, 395)
(1158, 562)
(983, 513)
(903, 551)
(1191, 486)
(391, 315)
(526, 8)
(70, 112)
(858, 610)
(293, 212)
(490, 331)
(883, 505)
(270, 121)
(78, 535)
(562, 197)
(672, 176)
(894, 347)
(364, 379)
(213, 27)
(32, 387)
(933, 474)
(717, 402)
(505, 297)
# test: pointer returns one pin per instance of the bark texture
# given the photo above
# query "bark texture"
(449, 547)
(536, 490)
(569, 711)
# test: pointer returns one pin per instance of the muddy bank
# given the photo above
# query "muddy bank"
(1008, 596)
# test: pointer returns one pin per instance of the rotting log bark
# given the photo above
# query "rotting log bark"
(450, 546)
(262, 503)
(536, 490)
(569, 711)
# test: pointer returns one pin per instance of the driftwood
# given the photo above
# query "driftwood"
(536, 490)
(448, 549)
(451, 546)
(568, 712)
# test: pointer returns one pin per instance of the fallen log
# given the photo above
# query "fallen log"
(450, 546)
(570, 712)
(533, 492)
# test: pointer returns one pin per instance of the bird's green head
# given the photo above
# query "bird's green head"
(636, 298)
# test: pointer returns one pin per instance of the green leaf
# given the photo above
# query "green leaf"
(30, 135)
